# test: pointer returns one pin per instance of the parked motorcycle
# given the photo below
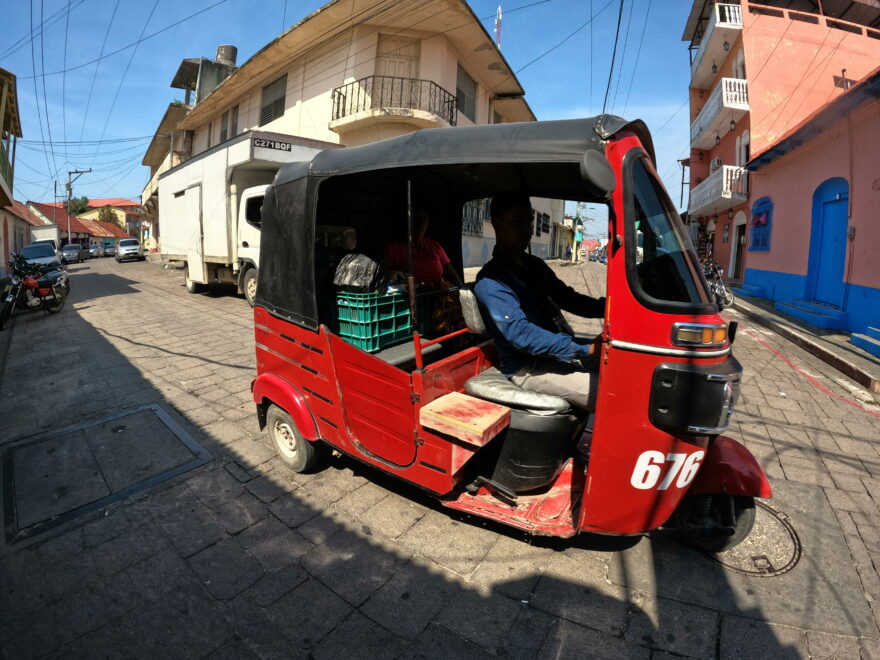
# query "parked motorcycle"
(713, 273)
(33, 289)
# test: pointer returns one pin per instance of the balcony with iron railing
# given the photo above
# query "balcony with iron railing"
(724, 26)
(729, 101)
(375, 99)
(725, 187)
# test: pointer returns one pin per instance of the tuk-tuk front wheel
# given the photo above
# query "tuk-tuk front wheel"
(715, 523)
(295, 451)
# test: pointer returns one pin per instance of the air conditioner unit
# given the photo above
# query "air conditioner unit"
(715, 164)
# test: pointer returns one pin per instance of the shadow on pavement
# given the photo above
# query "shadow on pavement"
(242, 559)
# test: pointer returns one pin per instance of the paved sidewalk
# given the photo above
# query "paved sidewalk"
(830, 346)
(240, 558)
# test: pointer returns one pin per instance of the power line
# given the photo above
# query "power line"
(552, 48)
(94, 142)
(95, 75)
(45, 95)
(125, 72)
(135, 43)
(613, 55)
(24, 41)
(632, 5)
(638, 55)
(64, 81)
(36, 92)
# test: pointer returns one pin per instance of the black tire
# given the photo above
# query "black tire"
(295, 451)
(712, 537)
(57, 303)
(193, 287)
(249, 285)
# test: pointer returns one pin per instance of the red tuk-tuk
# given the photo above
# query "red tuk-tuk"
(352, 371)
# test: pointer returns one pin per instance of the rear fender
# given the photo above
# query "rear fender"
(731, 469)
(268, 388)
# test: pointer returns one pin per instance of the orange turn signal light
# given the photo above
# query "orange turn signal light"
(699, 334)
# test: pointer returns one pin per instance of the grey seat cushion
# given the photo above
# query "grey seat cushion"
(403, 356)
(470, 310)
(492, 385)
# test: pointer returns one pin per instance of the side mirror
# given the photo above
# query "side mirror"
(597, 171)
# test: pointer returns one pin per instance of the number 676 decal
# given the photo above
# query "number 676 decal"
(650, 465)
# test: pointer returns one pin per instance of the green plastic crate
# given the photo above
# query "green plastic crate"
(372, 321)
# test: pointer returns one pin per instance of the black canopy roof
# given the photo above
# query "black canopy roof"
(564, 140)
(475, 160)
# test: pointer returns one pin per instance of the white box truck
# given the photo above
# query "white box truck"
(209, 207)
(46, 233)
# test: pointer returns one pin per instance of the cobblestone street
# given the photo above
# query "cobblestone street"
(240, 558)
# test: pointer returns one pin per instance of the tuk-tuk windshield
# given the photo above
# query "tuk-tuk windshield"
(666, 264)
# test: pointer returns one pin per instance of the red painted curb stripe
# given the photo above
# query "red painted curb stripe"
(751, 333)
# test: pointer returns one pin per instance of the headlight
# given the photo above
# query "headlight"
(16, 280)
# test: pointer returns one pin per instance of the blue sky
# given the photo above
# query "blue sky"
(130, 92)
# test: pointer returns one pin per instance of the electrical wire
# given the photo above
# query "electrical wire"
(45, 95)
(125, 72)
(613, 55)
(95, 75)
(622, 67)
(135, 43)
(64, 82)
(638, 55)
(20, 43)
(36, 92)
(552, 48)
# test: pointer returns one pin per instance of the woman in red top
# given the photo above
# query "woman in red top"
(430, 263)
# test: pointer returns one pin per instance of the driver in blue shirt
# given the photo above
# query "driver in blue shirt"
(521, 299)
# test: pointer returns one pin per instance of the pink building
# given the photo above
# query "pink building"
(757, 71)
(813, 232)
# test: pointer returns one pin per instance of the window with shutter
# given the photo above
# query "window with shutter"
(272, 106)
(210, 133)
(233, 127)
(466, 94)
(224, 126)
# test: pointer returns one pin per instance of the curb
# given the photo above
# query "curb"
(847, 368)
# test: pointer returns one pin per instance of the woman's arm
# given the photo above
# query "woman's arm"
(450, 274)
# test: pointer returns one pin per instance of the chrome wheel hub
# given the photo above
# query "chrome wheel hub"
(285, 438)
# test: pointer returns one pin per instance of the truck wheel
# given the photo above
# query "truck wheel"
(249, 285)
(295, 451)
(194, 287)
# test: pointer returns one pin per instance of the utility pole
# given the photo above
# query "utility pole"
(70, 194)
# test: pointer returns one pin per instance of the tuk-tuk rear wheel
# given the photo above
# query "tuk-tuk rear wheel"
(723, 524)
(292, 448)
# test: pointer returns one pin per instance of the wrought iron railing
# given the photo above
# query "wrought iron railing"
(381, 92)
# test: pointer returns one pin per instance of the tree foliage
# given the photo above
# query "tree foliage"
(77, 205)
(106, 214)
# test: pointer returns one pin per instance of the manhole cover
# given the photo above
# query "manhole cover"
(773, 547)
(56, 476)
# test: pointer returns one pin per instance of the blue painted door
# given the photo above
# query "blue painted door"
(828, 244)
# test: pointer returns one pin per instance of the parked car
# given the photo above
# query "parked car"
(96, 250)
(129, 248)
(73, 252)
(42, 254)
(110, 250)
(48, 241)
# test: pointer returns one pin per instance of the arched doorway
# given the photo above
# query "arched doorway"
(825, 283)
(737, 246)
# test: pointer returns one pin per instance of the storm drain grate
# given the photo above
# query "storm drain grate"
(772, 548)
(58, 476)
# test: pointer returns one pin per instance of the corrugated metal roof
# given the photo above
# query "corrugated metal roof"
(21, 211)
